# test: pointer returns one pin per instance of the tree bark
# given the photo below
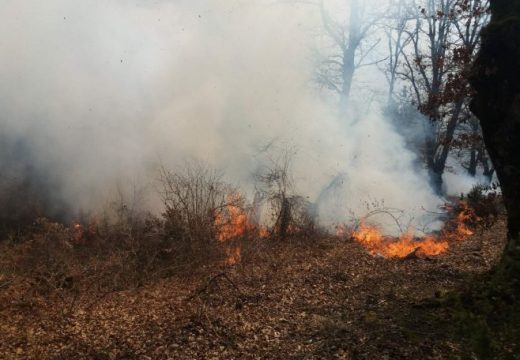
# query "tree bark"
(496, 81)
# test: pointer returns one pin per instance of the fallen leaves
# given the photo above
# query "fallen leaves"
(321, 299)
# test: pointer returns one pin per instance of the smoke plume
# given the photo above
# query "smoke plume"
(101, 92)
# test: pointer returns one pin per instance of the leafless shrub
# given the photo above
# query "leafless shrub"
(393, 220)
(274, 182)
(193, 198)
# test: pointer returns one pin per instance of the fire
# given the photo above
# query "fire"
(80, 231)
(457, 228)
(232, 222)
(263, 232)
(232, 255)
(372, 239)
(377, 244)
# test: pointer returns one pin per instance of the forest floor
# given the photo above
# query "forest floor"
(320, 298)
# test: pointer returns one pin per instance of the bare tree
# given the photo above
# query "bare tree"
(349, 47)
(443, 39)
(395, 29)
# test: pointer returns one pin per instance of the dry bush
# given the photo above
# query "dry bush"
(122, 249)
(193, 197)
(125, 248)
(48, 258)
(485, 202)
(45, 266)
(78, 266)
(293, 214)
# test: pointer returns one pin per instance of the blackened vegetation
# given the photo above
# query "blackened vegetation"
(27, 189)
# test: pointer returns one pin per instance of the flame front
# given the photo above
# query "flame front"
(456, 229)
(377, 244)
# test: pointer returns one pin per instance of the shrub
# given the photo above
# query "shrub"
(193, 197)
(485, 202)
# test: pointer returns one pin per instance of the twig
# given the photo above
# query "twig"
(212, 281)
(6, 284)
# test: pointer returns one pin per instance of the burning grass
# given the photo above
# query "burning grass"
(232, 222)
(377, 244)
(457, 228)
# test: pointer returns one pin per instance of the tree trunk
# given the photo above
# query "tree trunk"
(496, 81)
(348, 74)
(489, 170)
(472, 167)
(349, 54)
(439, 163)
(284, 219)
(475, 152)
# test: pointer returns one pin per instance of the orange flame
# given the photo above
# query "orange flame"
(232, 222)
(457, 228)
(233, 255)
(377, 244)
(81, 232)
(78, 231)
(263, 232)
(372, 239)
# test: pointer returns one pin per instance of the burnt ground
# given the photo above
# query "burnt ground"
(307, 299)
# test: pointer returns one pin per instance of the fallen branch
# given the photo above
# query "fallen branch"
(213, 280)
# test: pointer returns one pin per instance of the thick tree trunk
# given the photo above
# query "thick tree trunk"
(472, 167)
(496, 80)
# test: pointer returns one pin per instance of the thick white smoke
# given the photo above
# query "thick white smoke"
(104, 90)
